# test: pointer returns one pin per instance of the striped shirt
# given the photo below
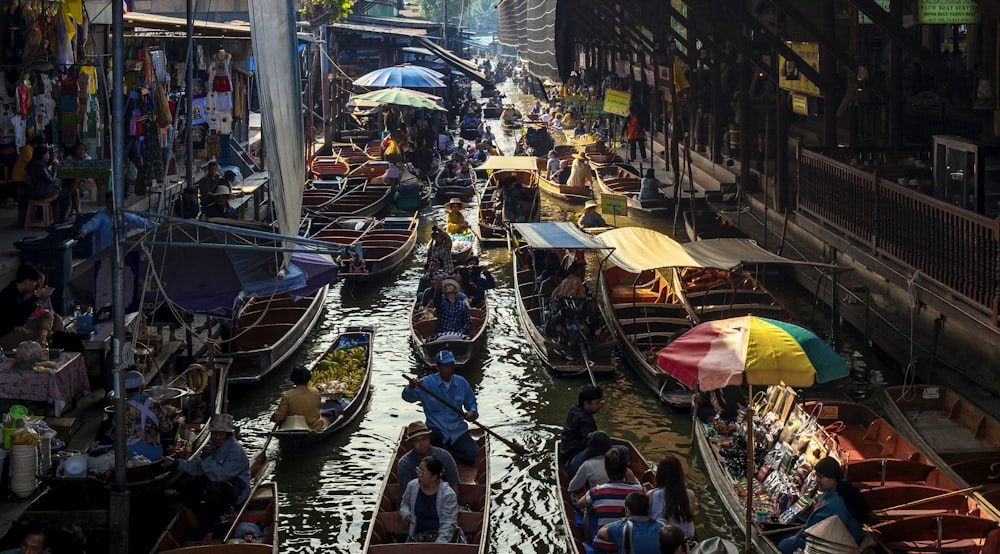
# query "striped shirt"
(608, 501)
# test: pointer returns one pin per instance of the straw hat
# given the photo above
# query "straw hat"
(222, 190)
(830, 535)
(449, 281)
(581, 156)
(590, 204)
(715, 545)
(454, 201)
(417, 429)
(295, 423)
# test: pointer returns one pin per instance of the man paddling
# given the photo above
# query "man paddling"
(449, 430)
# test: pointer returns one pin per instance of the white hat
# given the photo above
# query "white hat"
(222, 190)
(590, 204)
(715, 545)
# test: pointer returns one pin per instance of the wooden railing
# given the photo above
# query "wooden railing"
(955, 247)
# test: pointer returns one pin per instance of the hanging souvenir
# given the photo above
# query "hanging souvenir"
(24, 99)
(135, 124)
(198, 111)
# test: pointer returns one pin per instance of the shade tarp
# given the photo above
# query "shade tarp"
(526, 163)
(458, 63)
(552, 234)
(639, 249)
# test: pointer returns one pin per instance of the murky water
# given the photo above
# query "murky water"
(328, 493)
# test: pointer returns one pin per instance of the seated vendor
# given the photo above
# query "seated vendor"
(302, 400)
(145, 419)
(590, 217)
(455, 220)
(838, 498)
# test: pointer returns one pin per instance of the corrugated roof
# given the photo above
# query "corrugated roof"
(378, 29)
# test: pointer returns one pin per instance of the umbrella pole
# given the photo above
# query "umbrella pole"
(750, 475)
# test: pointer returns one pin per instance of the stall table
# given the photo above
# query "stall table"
(58, 387)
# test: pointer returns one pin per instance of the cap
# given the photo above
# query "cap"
(222, 422)
(417, 429)
(444, 357)
(134, 380)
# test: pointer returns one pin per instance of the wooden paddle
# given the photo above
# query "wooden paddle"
(258, 480)
(928, 499)
(513, 445)
(782, 530)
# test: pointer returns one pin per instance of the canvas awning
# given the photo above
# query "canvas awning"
(526, 163)
(556, 234)
(451, 59)
(639, 249)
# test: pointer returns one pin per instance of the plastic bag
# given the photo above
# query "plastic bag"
(393, 152)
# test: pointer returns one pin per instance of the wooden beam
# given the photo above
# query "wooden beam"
(764, 68)
(990, 8)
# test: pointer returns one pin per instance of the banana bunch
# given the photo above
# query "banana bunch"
(197, 377)
(341, 372)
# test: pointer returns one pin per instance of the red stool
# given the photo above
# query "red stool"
(32, 220)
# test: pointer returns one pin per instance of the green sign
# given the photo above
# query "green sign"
(614, 204)
(865, 20)
(948, 12)
(616, 102)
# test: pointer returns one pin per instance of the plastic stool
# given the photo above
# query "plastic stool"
(31, 220)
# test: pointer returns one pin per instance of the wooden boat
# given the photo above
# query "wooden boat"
(960, 439)
(422, 330)
(315, 198)
(351, 408)
(601, 154)
(260, 509)
(268, 331)
(474, 492)
(591, 349)
(510, 124)
(572, 519)
(711, 294)
(492, 229)
(706, 224)
(443, 190)
(877, 458)
(365, 200)
(616, 179)
(470, 132)
(565, 193)
(492, 112)
(329, 167)
(371, 169)
(646, 315)
(353, 155)
(385, 244)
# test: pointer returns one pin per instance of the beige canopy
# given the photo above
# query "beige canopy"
(527, 163)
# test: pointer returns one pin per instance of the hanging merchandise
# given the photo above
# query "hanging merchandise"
(198, 111)
(65, 32)
(135, 124)
(90, 123)
(198, 139)
(24, 98)
(152, 159)
(212, 146)
(69, 110)
(162, 110)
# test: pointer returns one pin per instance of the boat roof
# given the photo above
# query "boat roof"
(556, 234)
(639, 249)
(527, 163)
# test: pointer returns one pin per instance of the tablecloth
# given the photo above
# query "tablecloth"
(58, 387)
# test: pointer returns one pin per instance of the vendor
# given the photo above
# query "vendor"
(302, 400)
(145, 419)
(590, 218)
(838, 498)
(455, 220)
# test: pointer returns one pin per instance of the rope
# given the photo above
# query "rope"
(910, 373)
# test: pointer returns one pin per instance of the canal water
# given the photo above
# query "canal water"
(328, 493)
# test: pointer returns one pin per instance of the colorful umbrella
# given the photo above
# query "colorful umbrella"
(409, 76)
(398, 97)
(750, 349)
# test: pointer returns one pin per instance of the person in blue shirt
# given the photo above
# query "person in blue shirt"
(637, 529)
(222, 474)
(35, 539)
(452, 310)
(838, 498)
(187, 207)
(102, 224)
(449, 429)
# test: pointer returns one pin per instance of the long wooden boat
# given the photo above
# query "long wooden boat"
(876, 458)
(260, 509)
(492, 112)
(364, 200)
(590, 348)
(961, 439)
(711, 294)
(443, 190)
(572, 519)
(385, 244)
(616, 179)
(554, 189)
(707, 224)
(492, 229)
(371, 169)
(354, 155)
(474, 492)
(601, 154)
(422, 330)
(269, 330)
(461, 247)
(350, 408)
(329, 167)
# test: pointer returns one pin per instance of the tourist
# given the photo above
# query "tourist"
(101, 224)
(537, 108)
(649, 187)
(220, 208)
(43, 186)
(448, 427)
(488, 136)
(17, 302)
(419, 437)
(509, 114)
(838, 498)
(482, 281)
(573, 286)
(429, 508)
(550, 277)
(209, 182)
(608, 499)
(590, 217)
(455, 221)
(565, 171)
(34, 539)
(636, 136)
(443, 142)
(579, 425)
(672, 500)
(301, 400)
(581, 175)
(552, 165)
(637, 529)
(145, 420)
(510, 199)
(452, 310)
(186, 207)
(430, 269)
(592, 472)
(440, 249)
(671, 540)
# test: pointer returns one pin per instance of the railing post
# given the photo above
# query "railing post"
(876, 204)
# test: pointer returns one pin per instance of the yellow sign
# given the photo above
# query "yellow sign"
(616, 102)
(789, 76)
(800, 104)
(614, 204)
(948, 12)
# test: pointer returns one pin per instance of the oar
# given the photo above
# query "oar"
(782, 530)
(586, 361)
(928, 499)
(258, 480)
(513, 445)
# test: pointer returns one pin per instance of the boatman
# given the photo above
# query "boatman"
(590, 218)
(302, 400)
(449, 429)
(579, 425)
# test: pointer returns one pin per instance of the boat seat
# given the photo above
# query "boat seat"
(392, 497)
(391, 525)
(877, 471)
(471, 523)
(471, 496)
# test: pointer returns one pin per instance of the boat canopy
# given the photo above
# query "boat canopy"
(556, 234)
(639, 249)
(524, 163)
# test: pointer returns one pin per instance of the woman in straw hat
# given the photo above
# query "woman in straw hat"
(837, 498)
(455, 220)
(590, 218)
(580, 175)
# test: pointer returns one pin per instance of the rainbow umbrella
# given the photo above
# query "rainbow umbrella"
(750, 349)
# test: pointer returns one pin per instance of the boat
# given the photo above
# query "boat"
(354, 155)
(464, 349)
(876, 458)
(470, 132)
(492, 229)
(572, 519)
(461, 247)
(363, 200)
(707, 224)
(385, 244)
(619, 179)
(268, 331)
(566, 193)
(600, 154)
(960, 439)
(260, 509)
(492, 112)
(587, 344)
(329, 167)
(446, 191)
(350, 408)
(371, 169)
(474, 492)
(510, 124)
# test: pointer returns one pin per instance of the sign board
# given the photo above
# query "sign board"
(789, 76)
(614, 204)
(800, 104)
(948, 12)
(616, 102)
(865, 20)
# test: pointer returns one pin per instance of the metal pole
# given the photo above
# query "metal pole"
(119, 498)
(189, 99)
(766, 138)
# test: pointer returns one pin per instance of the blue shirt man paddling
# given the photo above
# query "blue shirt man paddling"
(449, 430)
